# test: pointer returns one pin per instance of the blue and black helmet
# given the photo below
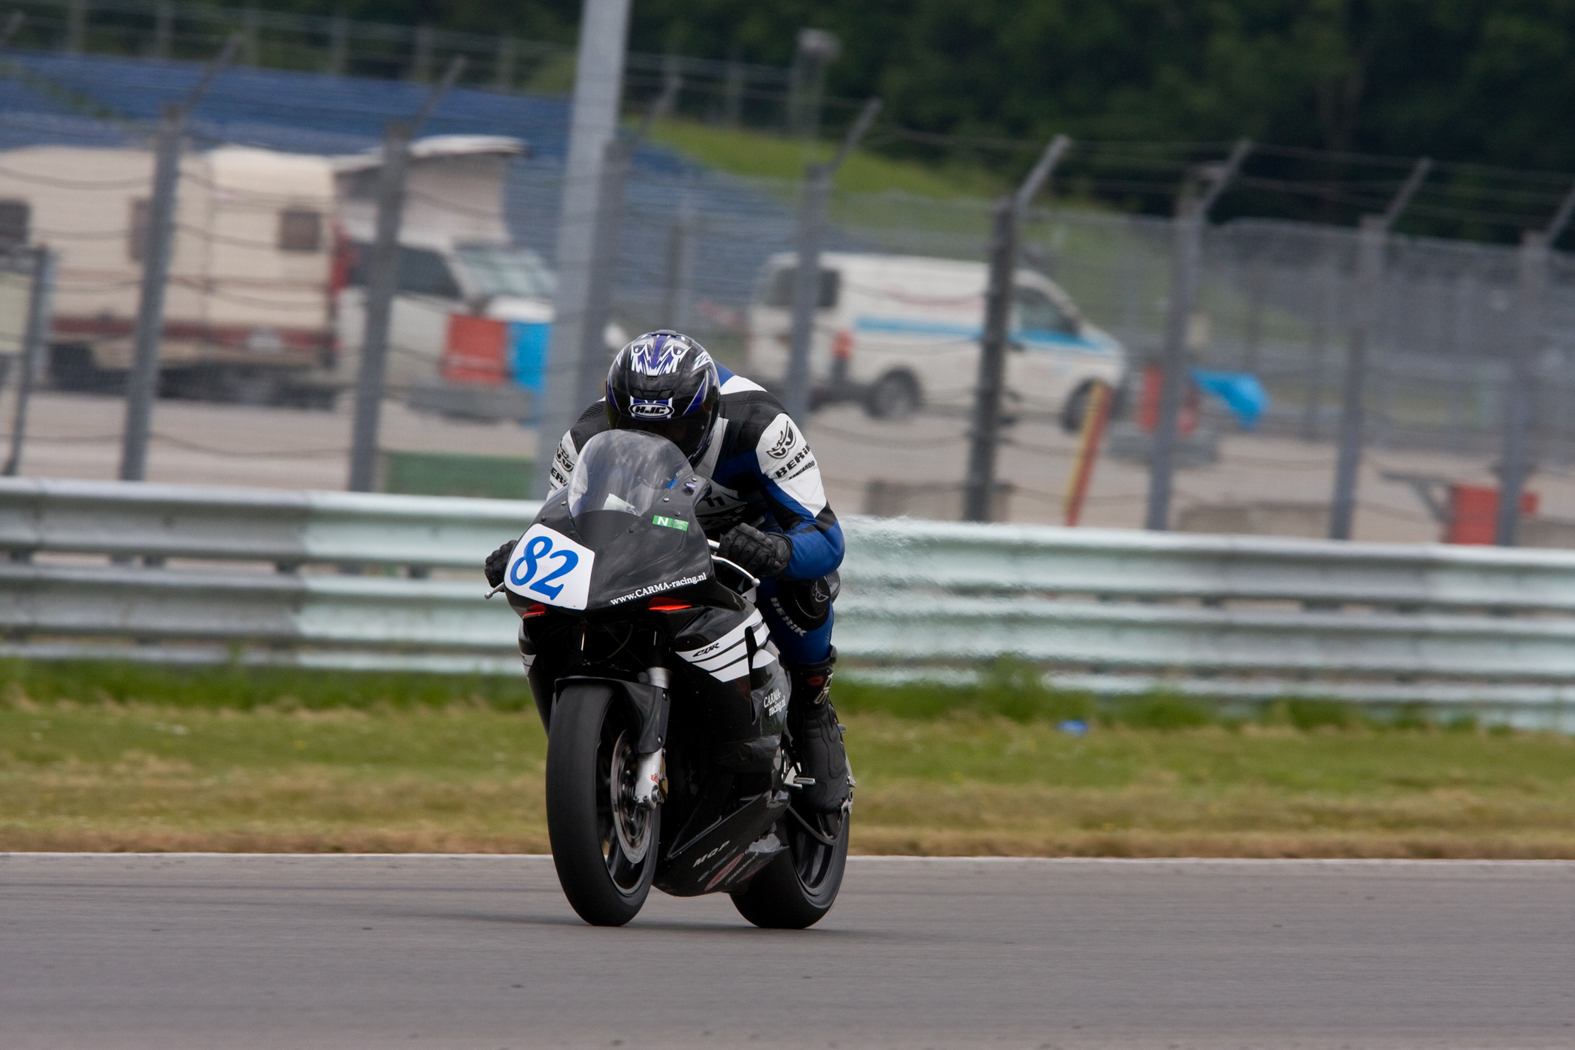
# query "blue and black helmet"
(665, 383)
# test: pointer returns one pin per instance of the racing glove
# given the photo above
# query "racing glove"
(498, 563)
(762, 554)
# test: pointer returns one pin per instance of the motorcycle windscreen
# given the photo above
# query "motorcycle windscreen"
(631, 500)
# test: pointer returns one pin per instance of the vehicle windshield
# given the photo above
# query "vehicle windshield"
(496, 270)
(625, 470)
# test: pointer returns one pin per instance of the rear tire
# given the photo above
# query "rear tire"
(798, 888)
(604, 848)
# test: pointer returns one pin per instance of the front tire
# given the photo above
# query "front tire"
(798, 888)
(604, 847)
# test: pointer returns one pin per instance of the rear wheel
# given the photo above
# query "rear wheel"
(798, 888)
(603, 845)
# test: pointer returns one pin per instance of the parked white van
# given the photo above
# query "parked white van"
(898, 331)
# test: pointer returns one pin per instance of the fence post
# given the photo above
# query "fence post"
(382, 280)
(598, 80)
(382, 273)
(681, 266)
(1187, 249)
(1371, 238)
(806, 275)
(34, 343)
(979, 485)
(1515, 460)
(143, 379)
(1519, 408)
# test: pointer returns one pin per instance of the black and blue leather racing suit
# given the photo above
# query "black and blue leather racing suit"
(763, 474)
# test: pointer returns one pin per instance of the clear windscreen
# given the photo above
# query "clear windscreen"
(625, 470)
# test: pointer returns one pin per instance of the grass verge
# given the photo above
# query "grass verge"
(762, 155)
(99, 757)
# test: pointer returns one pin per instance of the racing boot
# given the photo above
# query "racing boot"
(817, 737)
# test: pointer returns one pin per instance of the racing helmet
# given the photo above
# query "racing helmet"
(665, 383)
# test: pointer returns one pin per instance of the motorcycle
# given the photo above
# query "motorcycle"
(668, 764)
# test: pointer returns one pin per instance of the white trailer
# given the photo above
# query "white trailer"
(248, 311)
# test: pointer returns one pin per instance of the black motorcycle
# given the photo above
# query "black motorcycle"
(668, 764)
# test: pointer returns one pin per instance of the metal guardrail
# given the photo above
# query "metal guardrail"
(349, 580)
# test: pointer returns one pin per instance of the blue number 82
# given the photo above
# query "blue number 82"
(535, 552)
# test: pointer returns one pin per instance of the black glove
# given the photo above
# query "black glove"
(763, 554)
(498, 563)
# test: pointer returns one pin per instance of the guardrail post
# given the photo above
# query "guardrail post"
(806, 275)
(1192, 211)
(1372, 237)
(979, 485)
(34, 343)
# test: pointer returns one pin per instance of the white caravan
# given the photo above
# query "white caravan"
(248, 309)
(897, 331)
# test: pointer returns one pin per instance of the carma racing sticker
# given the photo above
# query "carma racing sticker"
(550, 568)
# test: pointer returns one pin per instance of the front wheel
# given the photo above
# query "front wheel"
(603, 845)
(798, 888)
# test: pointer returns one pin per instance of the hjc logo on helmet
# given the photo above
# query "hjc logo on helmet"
(642, 409)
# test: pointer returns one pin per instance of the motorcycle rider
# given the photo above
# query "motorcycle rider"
(766, 507)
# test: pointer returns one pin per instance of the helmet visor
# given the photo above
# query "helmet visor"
(687, 432)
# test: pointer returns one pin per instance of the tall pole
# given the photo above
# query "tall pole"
(1192, 211)
(142, 380)
(382, 280)
(1008, 216)
(35, 336)
(681, 266)
(604, 259)
(806, 275)
(382, 274)
(1372, 236)
(1535, 246)
(593, 122)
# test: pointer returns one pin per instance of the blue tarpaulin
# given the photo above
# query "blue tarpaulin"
(1240, 391)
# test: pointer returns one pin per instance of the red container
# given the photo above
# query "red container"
(1148, 403)
(474, 351)
(1473, 513)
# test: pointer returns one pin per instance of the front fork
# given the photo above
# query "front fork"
(650, 771)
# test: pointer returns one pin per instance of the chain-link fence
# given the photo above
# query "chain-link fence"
(1277, 298)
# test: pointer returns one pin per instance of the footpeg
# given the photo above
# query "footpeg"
(792, 778)
(650, 779)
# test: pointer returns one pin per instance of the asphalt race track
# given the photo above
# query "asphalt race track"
(175, 952)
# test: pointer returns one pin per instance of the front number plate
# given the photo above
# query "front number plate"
(550, 568)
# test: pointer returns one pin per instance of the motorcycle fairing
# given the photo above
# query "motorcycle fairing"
(635, 558)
